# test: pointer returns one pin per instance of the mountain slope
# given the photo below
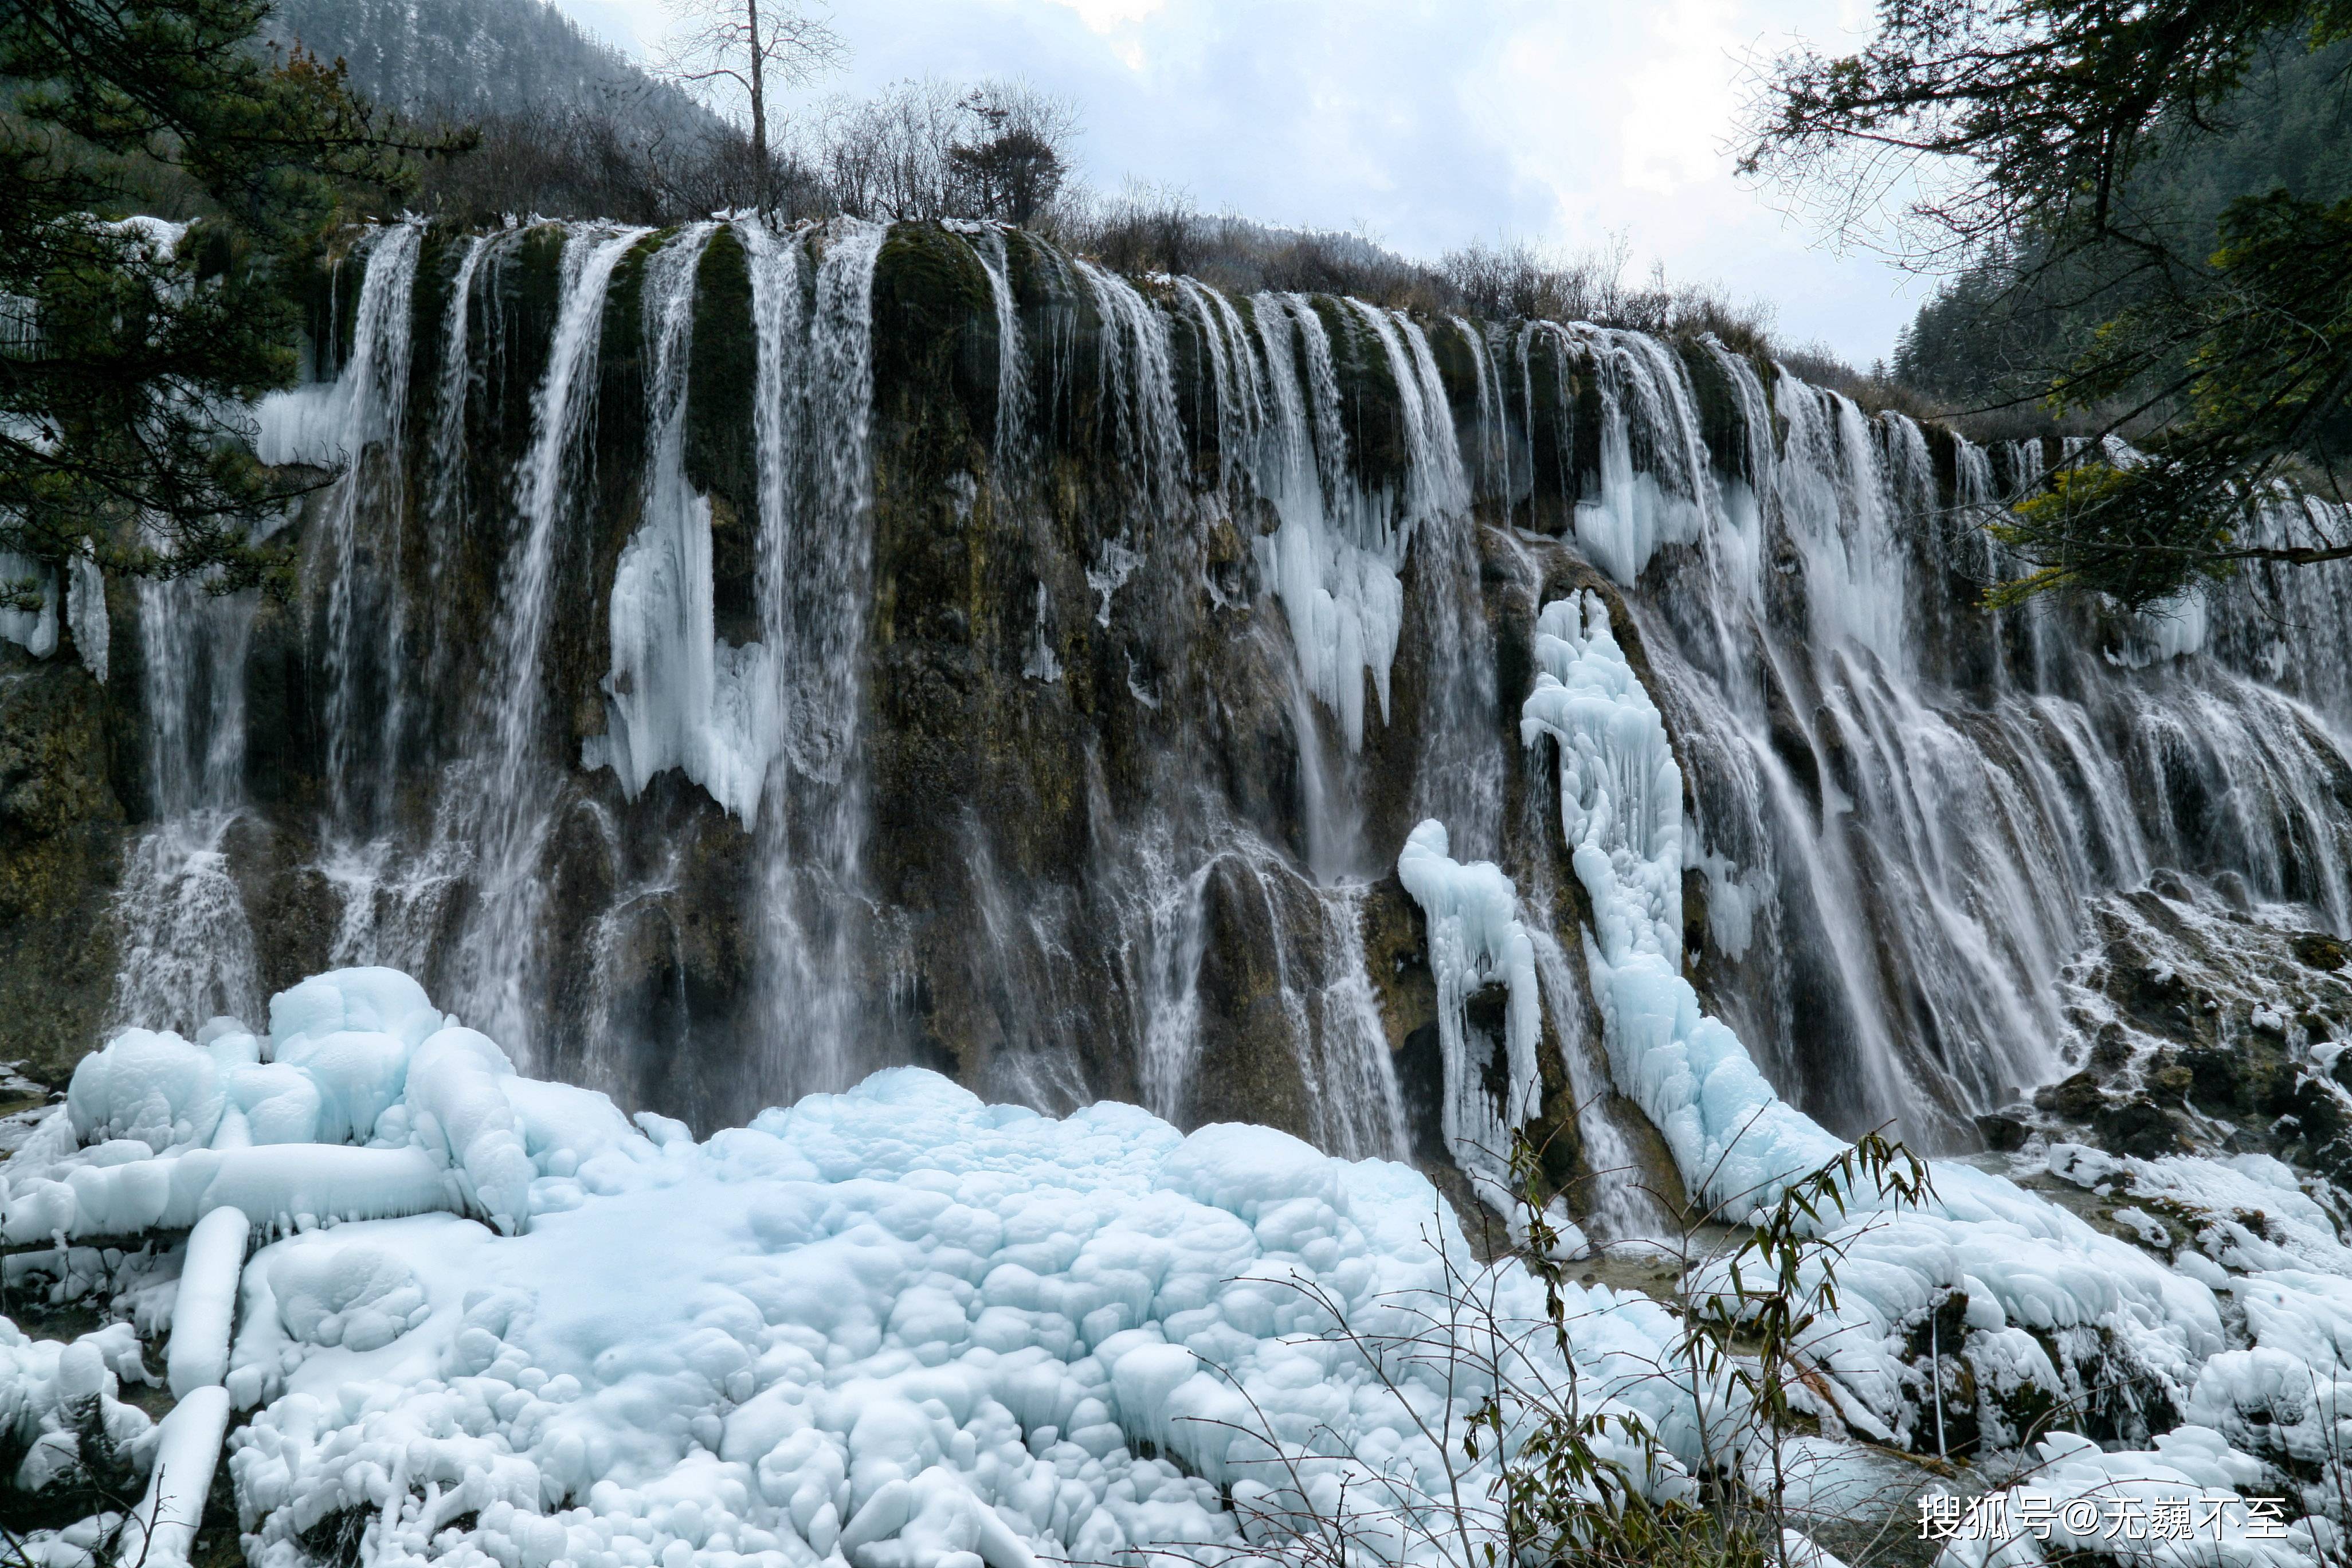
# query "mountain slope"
(476, 58)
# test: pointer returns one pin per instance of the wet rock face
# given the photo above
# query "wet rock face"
(60, 845)
(2212, 1025)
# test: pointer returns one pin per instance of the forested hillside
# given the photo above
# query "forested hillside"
(1996, 333)
(475, 57)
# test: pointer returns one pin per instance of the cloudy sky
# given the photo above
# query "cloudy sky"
(1423, 123)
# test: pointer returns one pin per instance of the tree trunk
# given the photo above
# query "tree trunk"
(760, 193)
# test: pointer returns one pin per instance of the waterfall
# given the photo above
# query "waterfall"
(1334, 559)
(1011, 449)
(1061, 720)
(506, 788)
(813, 418)
(188, 950)
(366, 626)
(447, 456)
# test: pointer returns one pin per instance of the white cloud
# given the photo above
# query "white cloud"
(1428, 123)
(1110, 15)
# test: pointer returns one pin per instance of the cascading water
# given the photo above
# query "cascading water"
(365, 615)
(767, 654)
(813, 593)
(495, 985)
(188, 949)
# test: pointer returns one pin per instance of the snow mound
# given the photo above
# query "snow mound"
(896, 1328)
(362, 1101)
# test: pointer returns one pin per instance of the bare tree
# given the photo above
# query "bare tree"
(754, 47)
(1017, 153)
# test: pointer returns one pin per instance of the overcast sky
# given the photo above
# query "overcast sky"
(1423, 123)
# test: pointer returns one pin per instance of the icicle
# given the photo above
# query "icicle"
(1475, 939)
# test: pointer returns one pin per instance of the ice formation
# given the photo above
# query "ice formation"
(365, 1103)
(1621, 802)
(2032, 1275)
(1333, 561)
(896, 1326)
(43, 1383)
(1475, 939)
(35, 631)
(677, 695)
(1637, 511)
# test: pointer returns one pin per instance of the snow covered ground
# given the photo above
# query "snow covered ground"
(492, 1318)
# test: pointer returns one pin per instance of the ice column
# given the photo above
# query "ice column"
(1475, 939)
(1621, 809)
(675, 695)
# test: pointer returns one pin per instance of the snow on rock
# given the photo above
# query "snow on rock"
(49, 1389)
(2247, 1229)
(1475, 939)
